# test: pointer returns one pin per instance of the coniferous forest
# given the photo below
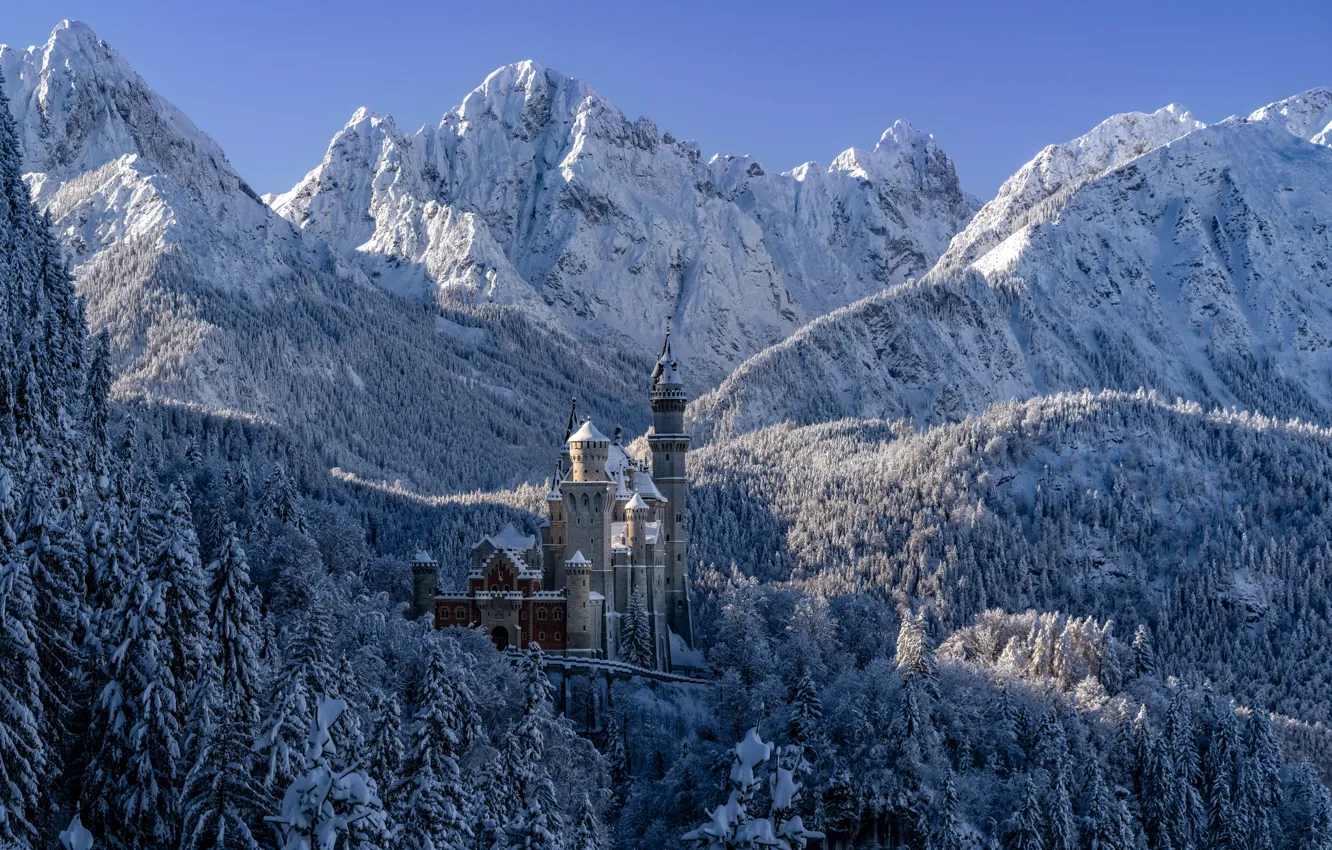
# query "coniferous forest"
(1078, 621)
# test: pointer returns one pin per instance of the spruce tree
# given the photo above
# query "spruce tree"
(221, 799)
(129, 792)
(636, 631)
(24, 769)
(1025, 831)
(434, 815)
(386, 754)
(1144, 655)
(304, 674)
(234, 621)
(175, 566)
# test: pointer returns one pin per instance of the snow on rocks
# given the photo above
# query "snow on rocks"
(537, 192)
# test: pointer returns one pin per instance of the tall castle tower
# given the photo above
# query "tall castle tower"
(669, 442)
(589, 505)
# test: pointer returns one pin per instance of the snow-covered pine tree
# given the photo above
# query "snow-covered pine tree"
(1260, 783)
(534, 824)
(1062, 830)
(1024, 832)
(1101, 826)
(24, 797)
(175, 566)
(221, 800)
(386, 755)
(1308, 814)
(1144, 655)
(305, 673)
(234, 620)
(56, 559)
(946, 833)
(636, 631)
(589, 833)
(330, 802)
(731, 826)
(805, 718)
(435, 796)
(130, 789)
(915, 656)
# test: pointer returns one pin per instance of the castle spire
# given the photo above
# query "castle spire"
(667, 370)
(573, 417)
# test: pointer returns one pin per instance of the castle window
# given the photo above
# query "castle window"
(494, 588)
(557, 636)
(444, 614)
(507, 588)
(668, 579)
(524, 615)
(679, 557)
(460, 614)
(584, 500)
(541, 615)
(598, 502)
(559, 615)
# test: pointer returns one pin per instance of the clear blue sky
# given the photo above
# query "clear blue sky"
(787, 82)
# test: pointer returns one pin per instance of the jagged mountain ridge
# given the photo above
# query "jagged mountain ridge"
(214, 300)
(537, 192)
(1198, 268)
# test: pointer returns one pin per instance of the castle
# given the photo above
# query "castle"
(608, 576)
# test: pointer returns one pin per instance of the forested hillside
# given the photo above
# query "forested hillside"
(1209, 528)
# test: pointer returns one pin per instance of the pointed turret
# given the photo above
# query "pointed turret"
(669, 443)
(568, 431)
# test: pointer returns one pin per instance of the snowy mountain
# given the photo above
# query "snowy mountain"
(1198, 268)
(537, 192)
(213, 300)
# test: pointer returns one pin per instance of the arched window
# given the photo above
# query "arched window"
(584, 500)
(494, 588)
(460, 614)
(507, 588)
(541, 636)
(598, 503)
(541, 615)
(559, 615)
(523, 615)
(557, 636)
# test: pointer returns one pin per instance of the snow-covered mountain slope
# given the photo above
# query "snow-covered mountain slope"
(214, 300)
(1211, 528)
(539, 193)
(1200, 269)
(1058, 170)
(1307, 115)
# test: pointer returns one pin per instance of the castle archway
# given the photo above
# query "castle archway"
(500, 636)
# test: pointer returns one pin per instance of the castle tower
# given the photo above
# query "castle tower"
(635, 529)
(581, 637)
(669, 442)
(553, 537)
(425, 575)
(589, 505)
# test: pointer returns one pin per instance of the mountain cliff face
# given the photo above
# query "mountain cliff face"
(213, 300)
(1200, 269)
(537, 192)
